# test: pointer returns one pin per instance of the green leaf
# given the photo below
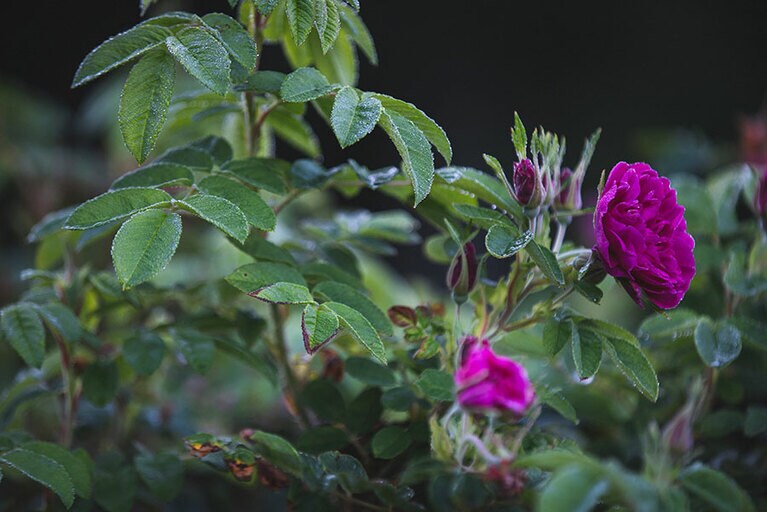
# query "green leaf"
(144, 246)
(482, 185)
(49, 224)
(546, 261)
(590, 291)
(519, 137)
(587, 352)
(155, 175)
(256, 211)
(633, 364)
(675, 324)
(399, 398)
(756, 421)
(198, 348)
(339, 292)
(318, 325)
(560, 404)
(360, 329)
(163, 473)
(304, 84)
(144, 102)
(62, 320)
(100, 382)
(718, 345)
(414, 148)
(261, 249)
(352, 118)
(390, 442)
(433, 132)
(436, 385)
(338, 65)
(76, 467)
(220, 212)
(482, 217)
(551, 459)
(254, 276)
(114, 206)
(329, 25)
(263, 173)
(203, 57)
(263, 82)
(370, 372)
(42, 469)
(294, 130)
(235, 39)
(218, 149)
(323, 397)
(504, 240)
(284, 293)
(358, 31)
(572, 489)
(321, 439)
(556, 334)
(277, 451)
(144, 352)
(118, 50)
(715, 489)
(738, 280)
(24, 331)
(265, 7)
(114, 483)
(349, 472)
(300, 18)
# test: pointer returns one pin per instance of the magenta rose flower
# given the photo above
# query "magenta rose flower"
(641, 235)
(488, 381)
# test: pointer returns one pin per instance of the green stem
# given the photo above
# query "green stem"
(281, 354)
(68, 414)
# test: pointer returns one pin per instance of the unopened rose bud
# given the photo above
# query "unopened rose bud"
(677, 434)
(569, 197)
(462, 275)
(527, 184)
(403, 316)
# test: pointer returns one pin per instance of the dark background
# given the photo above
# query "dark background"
(628, 67)
(570, 66)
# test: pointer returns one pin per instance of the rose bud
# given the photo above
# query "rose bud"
(462, 275)
(641, 235)
(569, 197)
(677, 434)
(402, 316)
(489, 382)
(527, 184)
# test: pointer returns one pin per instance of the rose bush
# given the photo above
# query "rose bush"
(248, 348)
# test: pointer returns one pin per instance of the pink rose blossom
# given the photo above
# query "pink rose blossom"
(641, 235)
(488, 381)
